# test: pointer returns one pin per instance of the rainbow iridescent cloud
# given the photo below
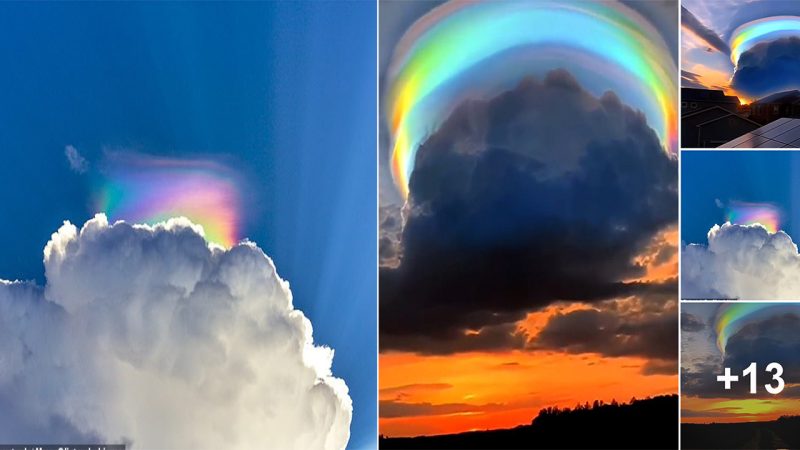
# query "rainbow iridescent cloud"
(762, 30)
(764, 214)
(146, 189)
(479, 49)
(732, 317)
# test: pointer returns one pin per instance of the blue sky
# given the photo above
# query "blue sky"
(283, 92)
(711, 180)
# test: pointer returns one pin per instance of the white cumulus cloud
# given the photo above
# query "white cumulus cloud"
(743, 262)
(150, 336)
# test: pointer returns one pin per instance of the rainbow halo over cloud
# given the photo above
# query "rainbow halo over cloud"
(765, 214)
(146, 189)
(463, 50)
(767, 29)
(732, 317)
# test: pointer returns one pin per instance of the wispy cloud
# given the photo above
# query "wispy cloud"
(77, 162)
(694, 25)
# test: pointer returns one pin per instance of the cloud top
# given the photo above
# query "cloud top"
(151, 336)
(744, 262)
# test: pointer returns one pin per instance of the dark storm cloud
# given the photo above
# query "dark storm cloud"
(544, 193)
(773, 340)
(478, 335)
(701, 381)
(660, 367)
(769, 67)
(691, 323)
(691, 22)
(612, 334)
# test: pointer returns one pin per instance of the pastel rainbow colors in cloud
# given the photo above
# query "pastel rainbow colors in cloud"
(463, 50)
(748, 35)
(147, 189)
(732, 317)
(764, 214)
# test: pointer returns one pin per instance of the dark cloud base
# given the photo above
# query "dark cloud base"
(611, 333)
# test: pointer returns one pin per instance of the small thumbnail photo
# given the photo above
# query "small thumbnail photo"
(740, 369)
(740, 76)
(738, 233)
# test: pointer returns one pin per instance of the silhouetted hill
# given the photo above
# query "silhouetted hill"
(649, 423)
(781, 433)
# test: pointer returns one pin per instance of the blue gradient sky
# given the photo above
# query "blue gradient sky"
(284, 92)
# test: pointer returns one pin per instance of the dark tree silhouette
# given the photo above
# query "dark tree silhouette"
(781, 433)
(642, 424)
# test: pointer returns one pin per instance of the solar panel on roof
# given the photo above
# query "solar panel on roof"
(790, 135)
(770, 126)
(784, 132)
(755, 142)
(736, 141)
(769, 143)
(762, 142)
(780, 129)
(750, 142)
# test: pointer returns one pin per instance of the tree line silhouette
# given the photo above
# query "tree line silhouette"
(781, 433)
(647, 423)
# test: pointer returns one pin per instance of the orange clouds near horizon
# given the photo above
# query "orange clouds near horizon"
(726, 410)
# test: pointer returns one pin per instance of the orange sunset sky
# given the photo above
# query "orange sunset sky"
(707, 410)
(439, 394)
(714, 71)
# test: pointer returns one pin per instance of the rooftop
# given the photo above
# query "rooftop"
(695, 94)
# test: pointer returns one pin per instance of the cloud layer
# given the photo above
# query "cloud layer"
(743, 262)
(689, 21)
(148, 335)
(614, 331)
(542, 194)
(769, 67)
